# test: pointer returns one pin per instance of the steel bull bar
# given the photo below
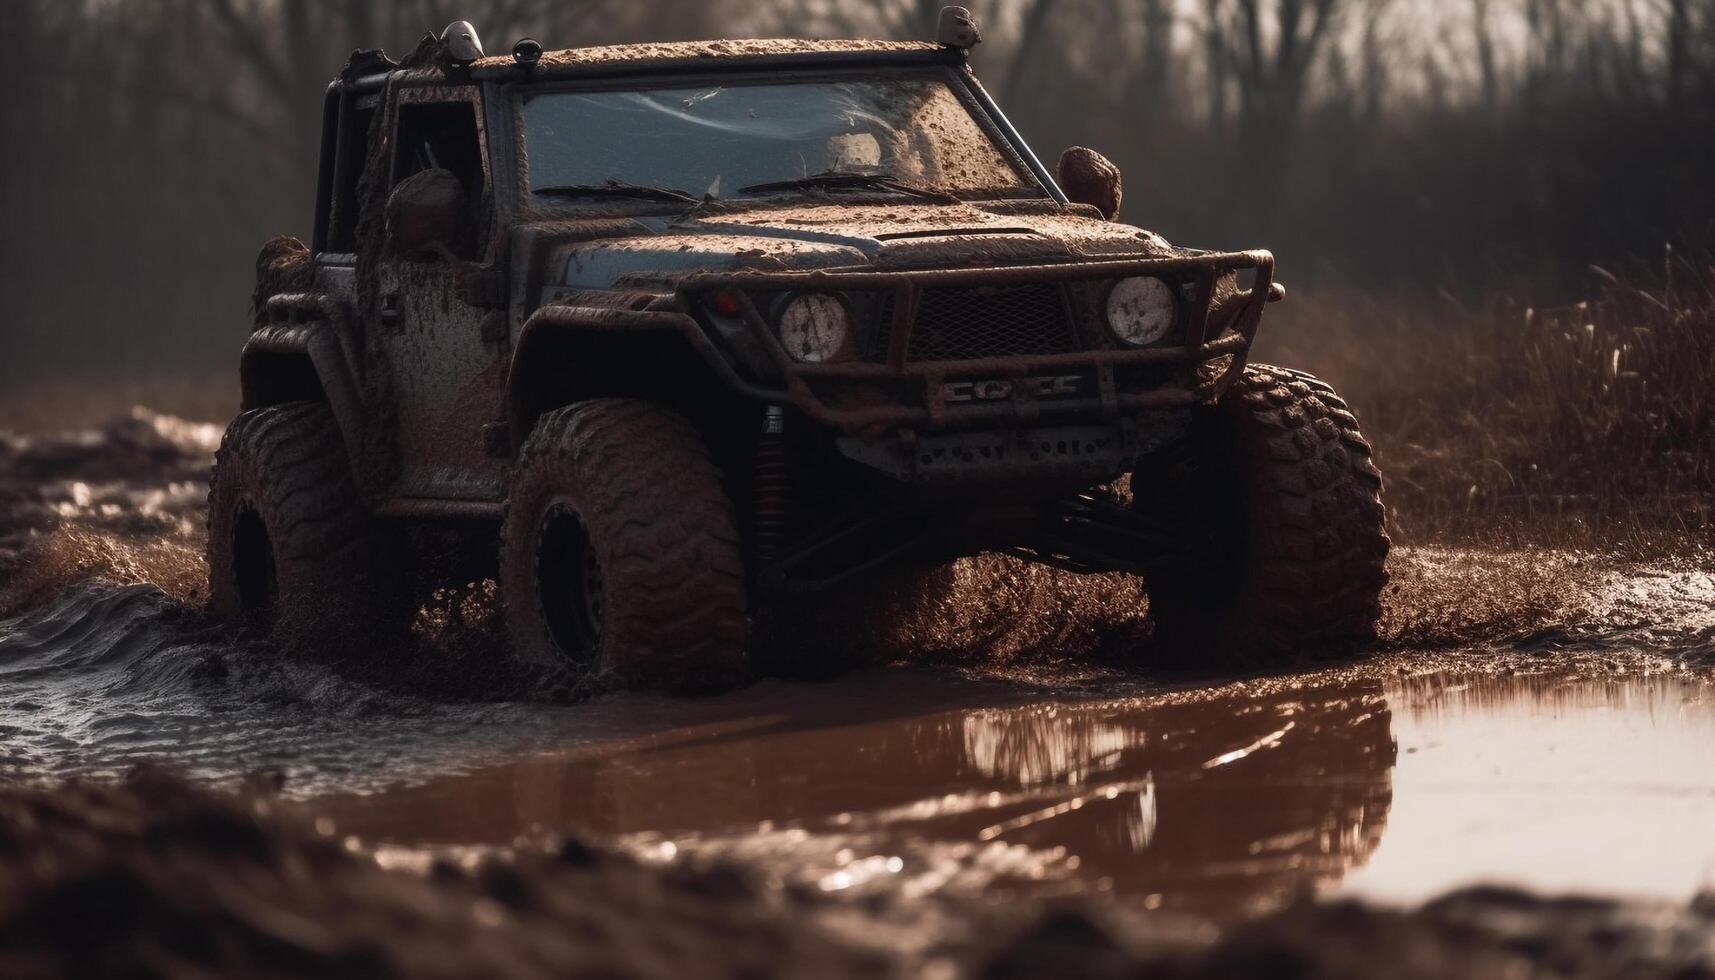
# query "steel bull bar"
(874, 397)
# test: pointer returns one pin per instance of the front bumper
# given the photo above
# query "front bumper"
(1045, 458)
(870, 400)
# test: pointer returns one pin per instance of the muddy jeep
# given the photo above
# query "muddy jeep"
(706, 332)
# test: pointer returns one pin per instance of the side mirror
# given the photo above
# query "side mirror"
(426, 216)
(1087, 177)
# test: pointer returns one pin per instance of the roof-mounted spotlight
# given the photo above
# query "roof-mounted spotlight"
(527, 52)
(461, 43)
(958, 29)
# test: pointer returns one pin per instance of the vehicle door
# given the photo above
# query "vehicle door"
(442, 337)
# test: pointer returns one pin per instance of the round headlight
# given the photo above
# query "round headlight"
(815, 327)
(1142, 310)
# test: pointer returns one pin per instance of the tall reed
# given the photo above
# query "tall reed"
(1590, 423)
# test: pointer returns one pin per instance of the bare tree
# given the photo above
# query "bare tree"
(1216, 60)
(1155, 68)
(291, 48)
(1270, 48)
(1483, 41)
(1027, 49)
(1678, 49)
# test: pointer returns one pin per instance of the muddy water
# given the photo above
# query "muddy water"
(1222, 803)
(1215, 804)
(105, 677)
(1574, 759)
(1575, 756)
(1561, 779)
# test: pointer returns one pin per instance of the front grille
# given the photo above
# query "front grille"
(972, 322)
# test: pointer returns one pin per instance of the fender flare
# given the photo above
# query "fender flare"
(533, 363)
(302, 353)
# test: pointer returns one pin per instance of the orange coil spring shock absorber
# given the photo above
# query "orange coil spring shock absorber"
(772, 487)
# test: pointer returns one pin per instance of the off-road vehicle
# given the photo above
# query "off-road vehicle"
(700, 331)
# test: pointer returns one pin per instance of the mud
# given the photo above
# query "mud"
(187, 883)
(154, 878)
(283, 266)
(1394, 781)
(105, 677)
(1087, 177)
(124, 500)
(961, 234)
(622, 54)
(1026, 790)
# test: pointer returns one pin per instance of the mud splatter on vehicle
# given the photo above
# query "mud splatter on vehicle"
(682, 341)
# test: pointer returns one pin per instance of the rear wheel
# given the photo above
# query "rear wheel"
(620, 553)
(1290, 553)
(292, 551)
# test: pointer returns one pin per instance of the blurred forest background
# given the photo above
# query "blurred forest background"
(1439, 178)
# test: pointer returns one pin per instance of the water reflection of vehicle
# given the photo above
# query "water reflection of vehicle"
(1221, 804)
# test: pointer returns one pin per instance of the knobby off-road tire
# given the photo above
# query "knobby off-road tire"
(291, 548)
(620, 552)
(1290, 558)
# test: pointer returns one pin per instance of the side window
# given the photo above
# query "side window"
(351, 156)
(442, 136)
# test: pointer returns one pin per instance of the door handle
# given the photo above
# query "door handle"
(390, 315)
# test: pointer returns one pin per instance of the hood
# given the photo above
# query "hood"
(845, 236)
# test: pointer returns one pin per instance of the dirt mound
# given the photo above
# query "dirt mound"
(1473, 934)
(154, 877)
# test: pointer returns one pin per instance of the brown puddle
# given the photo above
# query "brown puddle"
(1561, 780)
(1221, 802)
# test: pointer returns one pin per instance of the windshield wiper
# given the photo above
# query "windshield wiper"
(844, 179)
(619, 188)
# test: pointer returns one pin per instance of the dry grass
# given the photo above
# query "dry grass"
(72, 554)
(1590, 425)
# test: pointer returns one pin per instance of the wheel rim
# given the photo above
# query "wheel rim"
(255, 574)
(569, 584)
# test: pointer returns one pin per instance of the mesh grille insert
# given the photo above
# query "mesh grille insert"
(967, 323)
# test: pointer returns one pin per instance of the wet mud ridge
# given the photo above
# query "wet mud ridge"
(107, 676)
(190, 883)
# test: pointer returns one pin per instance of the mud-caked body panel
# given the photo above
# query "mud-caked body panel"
(890, 331)
(447, 358)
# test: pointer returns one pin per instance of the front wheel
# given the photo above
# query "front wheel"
(292, 551)
(1289, 557)
(620, 552)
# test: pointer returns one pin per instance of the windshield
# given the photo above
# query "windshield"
(731, 140)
